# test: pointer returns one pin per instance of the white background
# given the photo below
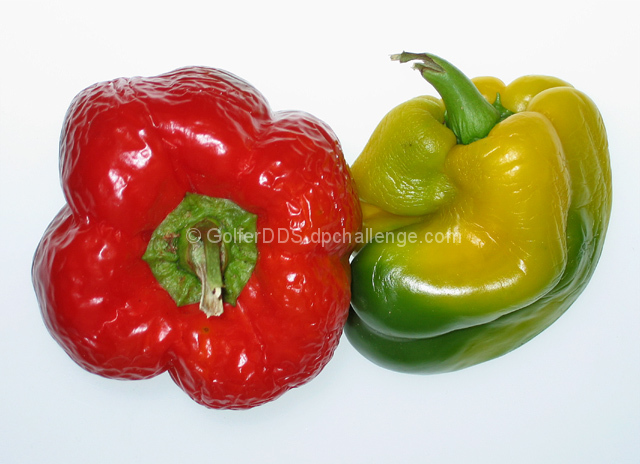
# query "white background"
(572, 395)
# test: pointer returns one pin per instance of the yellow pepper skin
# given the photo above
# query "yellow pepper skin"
(487, 230)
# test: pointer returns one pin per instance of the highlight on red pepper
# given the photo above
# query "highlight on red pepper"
(189, 240)
(493, 204)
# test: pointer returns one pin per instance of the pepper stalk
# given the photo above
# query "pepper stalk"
(469, 115)
(204, 252)
(205, 255)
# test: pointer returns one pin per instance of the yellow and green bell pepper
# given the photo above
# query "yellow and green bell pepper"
(488, 211)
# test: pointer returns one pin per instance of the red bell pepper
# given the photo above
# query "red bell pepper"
(203, 235)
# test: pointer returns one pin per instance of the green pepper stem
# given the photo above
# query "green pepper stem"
(192, 233)
(206, 258)
(469, 115)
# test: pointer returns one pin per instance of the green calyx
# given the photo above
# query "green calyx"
(469, 115)
(204, 252)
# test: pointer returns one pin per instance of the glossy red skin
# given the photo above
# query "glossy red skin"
(130, 151)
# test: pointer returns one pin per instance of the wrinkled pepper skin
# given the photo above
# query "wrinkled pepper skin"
(508, 226)
(131, 149)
